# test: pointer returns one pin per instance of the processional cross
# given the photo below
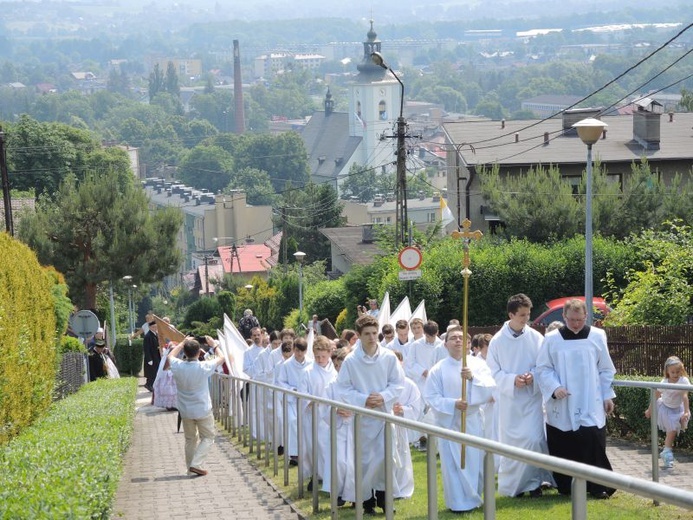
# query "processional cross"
(467, 236)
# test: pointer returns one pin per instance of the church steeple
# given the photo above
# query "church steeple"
(371, 45)
(329, 103)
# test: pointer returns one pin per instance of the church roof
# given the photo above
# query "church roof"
(328, 143)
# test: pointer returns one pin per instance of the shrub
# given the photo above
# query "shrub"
(28, 340)
(128, 356)
(326, 299)
(67, 465)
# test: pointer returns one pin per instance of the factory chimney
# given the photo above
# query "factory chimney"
(238, 89)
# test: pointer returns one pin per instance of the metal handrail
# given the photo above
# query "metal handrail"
(581, 473)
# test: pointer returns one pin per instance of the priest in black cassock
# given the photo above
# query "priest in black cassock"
(152, 356)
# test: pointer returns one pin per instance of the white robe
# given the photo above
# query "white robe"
(261, 373)
(462, 488)
(421, 357)
(520, 412)
(396, 344)
(276, 359)
(412, 406)
(345, 451)
(360, 376)
(584, 368)
(315, 382)
(250, 367)
(289, 376)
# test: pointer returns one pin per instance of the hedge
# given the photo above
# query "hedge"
(129, 357)
(28, 339)
(628, 420)
(68, 464)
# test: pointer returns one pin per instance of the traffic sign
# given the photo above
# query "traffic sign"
(84, 323)
(410, 275)
(410, 258)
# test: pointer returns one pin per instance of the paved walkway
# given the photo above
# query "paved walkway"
(154, 482)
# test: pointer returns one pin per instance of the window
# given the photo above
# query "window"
(358, 108)
(431, 217)
(382, 110)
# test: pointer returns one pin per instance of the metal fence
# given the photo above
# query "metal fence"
(71, 374)
(638, 349)
(234, 409)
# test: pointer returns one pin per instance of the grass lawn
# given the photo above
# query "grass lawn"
(551, 506)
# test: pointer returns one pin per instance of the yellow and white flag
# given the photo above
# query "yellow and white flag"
(445, 213)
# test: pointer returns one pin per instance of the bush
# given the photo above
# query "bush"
(28, 340)
(129, 357)
(628, 420)
(67, 465)
(326, 299)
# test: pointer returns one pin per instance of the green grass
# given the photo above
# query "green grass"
(551, 506)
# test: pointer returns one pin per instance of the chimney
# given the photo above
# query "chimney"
(604, 134)
(367, 233)
(570, 117)
(238, 89)
(517, 137)
(502, 124)
(546, 138)
(671, 117)
(646, 123)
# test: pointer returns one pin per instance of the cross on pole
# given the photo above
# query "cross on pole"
(467, 236)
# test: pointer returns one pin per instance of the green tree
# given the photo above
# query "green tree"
(538, 205)
(686, 100)
(101, 229)
(256, 184)
(156, 82)
(171, 84)
(206, 167)
(364, 183)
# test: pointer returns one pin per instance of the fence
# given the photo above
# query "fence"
(232, 410)
(70, 375)
(638, 349)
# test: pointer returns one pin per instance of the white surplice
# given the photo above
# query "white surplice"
(360, 376)
(289, 376)
(520, 412)
(462, 488)
(345, 450)
(412, 406)
(315, 382)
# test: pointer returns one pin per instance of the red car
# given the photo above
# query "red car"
(553, 310)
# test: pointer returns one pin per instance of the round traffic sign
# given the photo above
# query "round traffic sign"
(410, 258)
(84, 323)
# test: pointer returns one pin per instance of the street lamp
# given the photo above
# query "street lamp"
(248, 287)
(300, 256)
(127, 279)
(216, 239)
(401, 218)
(589, 130)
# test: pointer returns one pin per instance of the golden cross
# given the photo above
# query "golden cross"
(466, 235)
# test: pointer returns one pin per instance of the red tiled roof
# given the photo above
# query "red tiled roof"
(253, 258)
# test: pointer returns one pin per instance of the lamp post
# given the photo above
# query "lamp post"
(127, 279)
(216, 239)
(589, 130)
(401, 218)
(300, 256)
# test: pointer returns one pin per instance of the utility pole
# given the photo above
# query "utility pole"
(9, 225)
(402, 220)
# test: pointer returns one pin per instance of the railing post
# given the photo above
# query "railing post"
(654, 438)
(259, 433)
(275, 433)
(315, 456)
(431, 477)
(334, 476)
(358, 469)
(489, 486)
(578, 493)
(285, 410)
(265, 419)
(299, 445)
(389, 473)
(251, 407)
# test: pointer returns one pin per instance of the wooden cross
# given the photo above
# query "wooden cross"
(466, 235)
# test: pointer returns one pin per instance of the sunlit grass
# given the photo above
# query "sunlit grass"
(551, 506)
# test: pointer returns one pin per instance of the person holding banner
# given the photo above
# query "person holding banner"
(194, 402)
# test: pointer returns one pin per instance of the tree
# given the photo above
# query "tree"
(256, 184)
(364, 183)
(171, 84)
(156, 82)
(99, 230)
(206, 167)
(686, 100)
(538, 205)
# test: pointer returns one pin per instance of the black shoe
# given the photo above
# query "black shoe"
(310, 485)
(535, 493)
(520, 495)
(293, 461)
(600, 495)
(369, 511)
(280, 450)
(148, 388)
(340, 502)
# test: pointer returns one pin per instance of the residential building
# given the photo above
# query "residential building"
(665, 140)
(549, 105)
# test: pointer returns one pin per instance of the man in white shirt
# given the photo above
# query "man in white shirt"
(401, 341)
(371, 377)
(194, 402)
(512, 358)
(575, 373)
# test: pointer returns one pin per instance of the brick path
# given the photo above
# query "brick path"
(154, 482)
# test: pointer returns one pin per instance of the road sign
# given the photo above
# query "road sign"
(84, 323)
(410, 258)
(410, 275)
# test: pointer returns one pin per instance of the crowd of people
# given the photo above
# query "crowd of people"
(548, 394)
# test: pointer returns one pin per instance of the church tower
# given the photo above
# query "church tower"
(374, 100)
